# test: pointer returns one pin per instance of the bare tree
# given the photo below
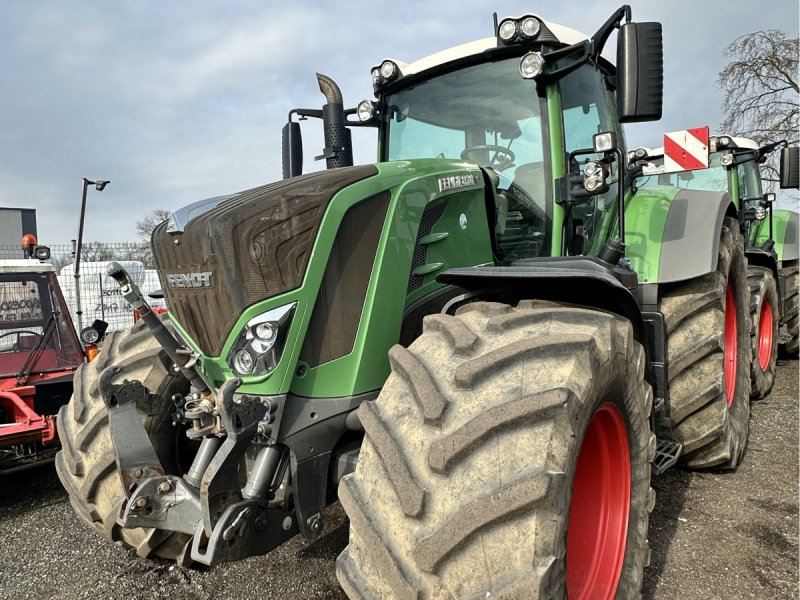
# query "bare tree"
(145, 227)
(762, 98)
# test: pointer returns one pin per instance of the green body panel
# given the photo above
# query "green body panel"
(413, 185)
(645, 217)
(558, 161)
(759, 232)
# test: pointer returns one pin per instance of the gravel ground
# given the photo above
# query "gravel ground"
(712, 535)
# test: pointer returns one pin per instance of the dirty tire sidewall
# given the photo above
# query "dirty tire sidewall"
(86, 465)
(464, 481)
(790, 320)
(712, 432)
(763, 292)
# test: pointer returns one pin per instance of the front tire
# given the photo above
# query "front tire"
(764, 317)
(489, 455)
(708, 355)
(86, 464)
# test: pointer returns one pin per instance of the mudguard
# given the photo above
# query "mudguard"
(785, 230)
(672, 234)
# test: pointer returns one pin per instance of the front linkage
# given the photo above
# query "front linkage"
(226, 521)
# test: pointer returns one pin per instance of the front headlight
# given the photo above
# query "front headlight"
(258, 348)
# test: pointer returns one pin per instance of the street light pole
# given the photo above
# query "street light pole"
(99, 186)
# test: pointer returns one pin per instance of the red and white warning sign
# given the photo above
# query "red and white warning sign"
(686, 150)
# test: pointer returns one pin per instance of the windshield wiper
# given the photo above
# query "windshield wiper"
(36, 351)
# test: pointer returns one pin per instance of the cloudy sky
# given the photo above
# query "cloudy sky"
(177, 101)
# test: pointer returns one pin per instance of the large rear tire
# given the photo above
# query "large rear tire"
(708, 355)
(86, 464)
(791, 312)
(507, 456)
(765, 320)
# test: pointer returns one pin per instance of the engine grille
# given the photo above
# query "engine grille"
(256, 245)
(430, 217)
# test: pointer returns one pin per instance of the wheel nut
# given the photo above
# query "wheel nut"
(164, 487)
(141, 502)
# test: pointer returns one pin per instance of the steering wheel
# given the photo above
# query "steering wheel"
(502, 159)
(16, 347)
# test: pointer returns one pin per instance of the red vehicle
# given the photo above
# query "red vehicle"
(39, 353)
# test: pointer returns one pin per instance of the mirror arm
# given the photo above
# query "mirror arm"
(599, 39)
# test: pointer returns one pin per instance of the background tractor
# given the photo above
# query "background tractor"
(773, 246)
(39, 353)
(485, 350)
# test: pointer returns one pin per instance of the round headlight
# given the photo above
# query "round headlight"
(531, 65)
(761, 213)
(530, 27)
(724, 140)
(590, 169)
(243, 362)
(640, 153)
(90, 335)
(365, 110)
(266, 332)
(591, 184)
(726, 159)
(388, 69)
(507, 30)
(376, 76)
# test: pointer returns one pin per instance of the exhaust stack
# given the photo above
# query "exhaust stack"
(338, 151)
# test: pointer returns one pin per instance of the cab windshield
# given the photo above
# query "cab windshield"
(36, 333)
(490, 115)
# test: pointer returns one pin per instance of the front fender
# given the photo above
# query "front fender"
(672, 234)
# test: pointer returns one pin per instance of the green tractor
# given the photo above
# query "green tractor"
(485, 342)
(773, 247)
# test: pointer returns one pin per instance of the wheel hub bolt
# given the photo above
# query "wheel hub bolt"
(141, 502)
(164, 487)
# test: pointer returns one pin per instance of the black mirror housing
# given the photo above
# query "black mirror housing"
(292, 151)
(640, 72)
(790, 168)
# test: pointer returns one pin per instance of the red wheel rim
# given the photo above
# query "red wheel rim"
(731, 344)
(597, 530)
(765, 325)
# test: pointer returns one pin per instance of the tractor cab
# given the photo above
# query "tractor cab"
(39, 353)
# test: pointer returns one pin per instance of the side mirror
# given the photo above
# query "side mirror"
(790, 168)
(292, 154)
(640, 72)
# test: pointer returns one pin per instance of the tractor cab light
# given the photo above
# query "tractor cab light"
(761, 213)
(531, 65)
(507, 30)
(723, 141)
(604, 142)
(365, 111)
(769, 198)
(726, 160)
(522, 29)
(42, 252)
(389, 70)
(530, 27)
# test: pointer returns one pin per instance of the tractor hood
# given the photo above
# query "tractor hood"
(242, 249)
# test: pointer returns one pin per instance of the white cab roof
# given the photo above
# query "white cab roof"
(25, 266)
(566, 35)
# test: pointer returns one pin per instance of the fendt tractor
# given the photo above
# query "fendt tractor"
(772, 243)
(39, 354)
(485, 342)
